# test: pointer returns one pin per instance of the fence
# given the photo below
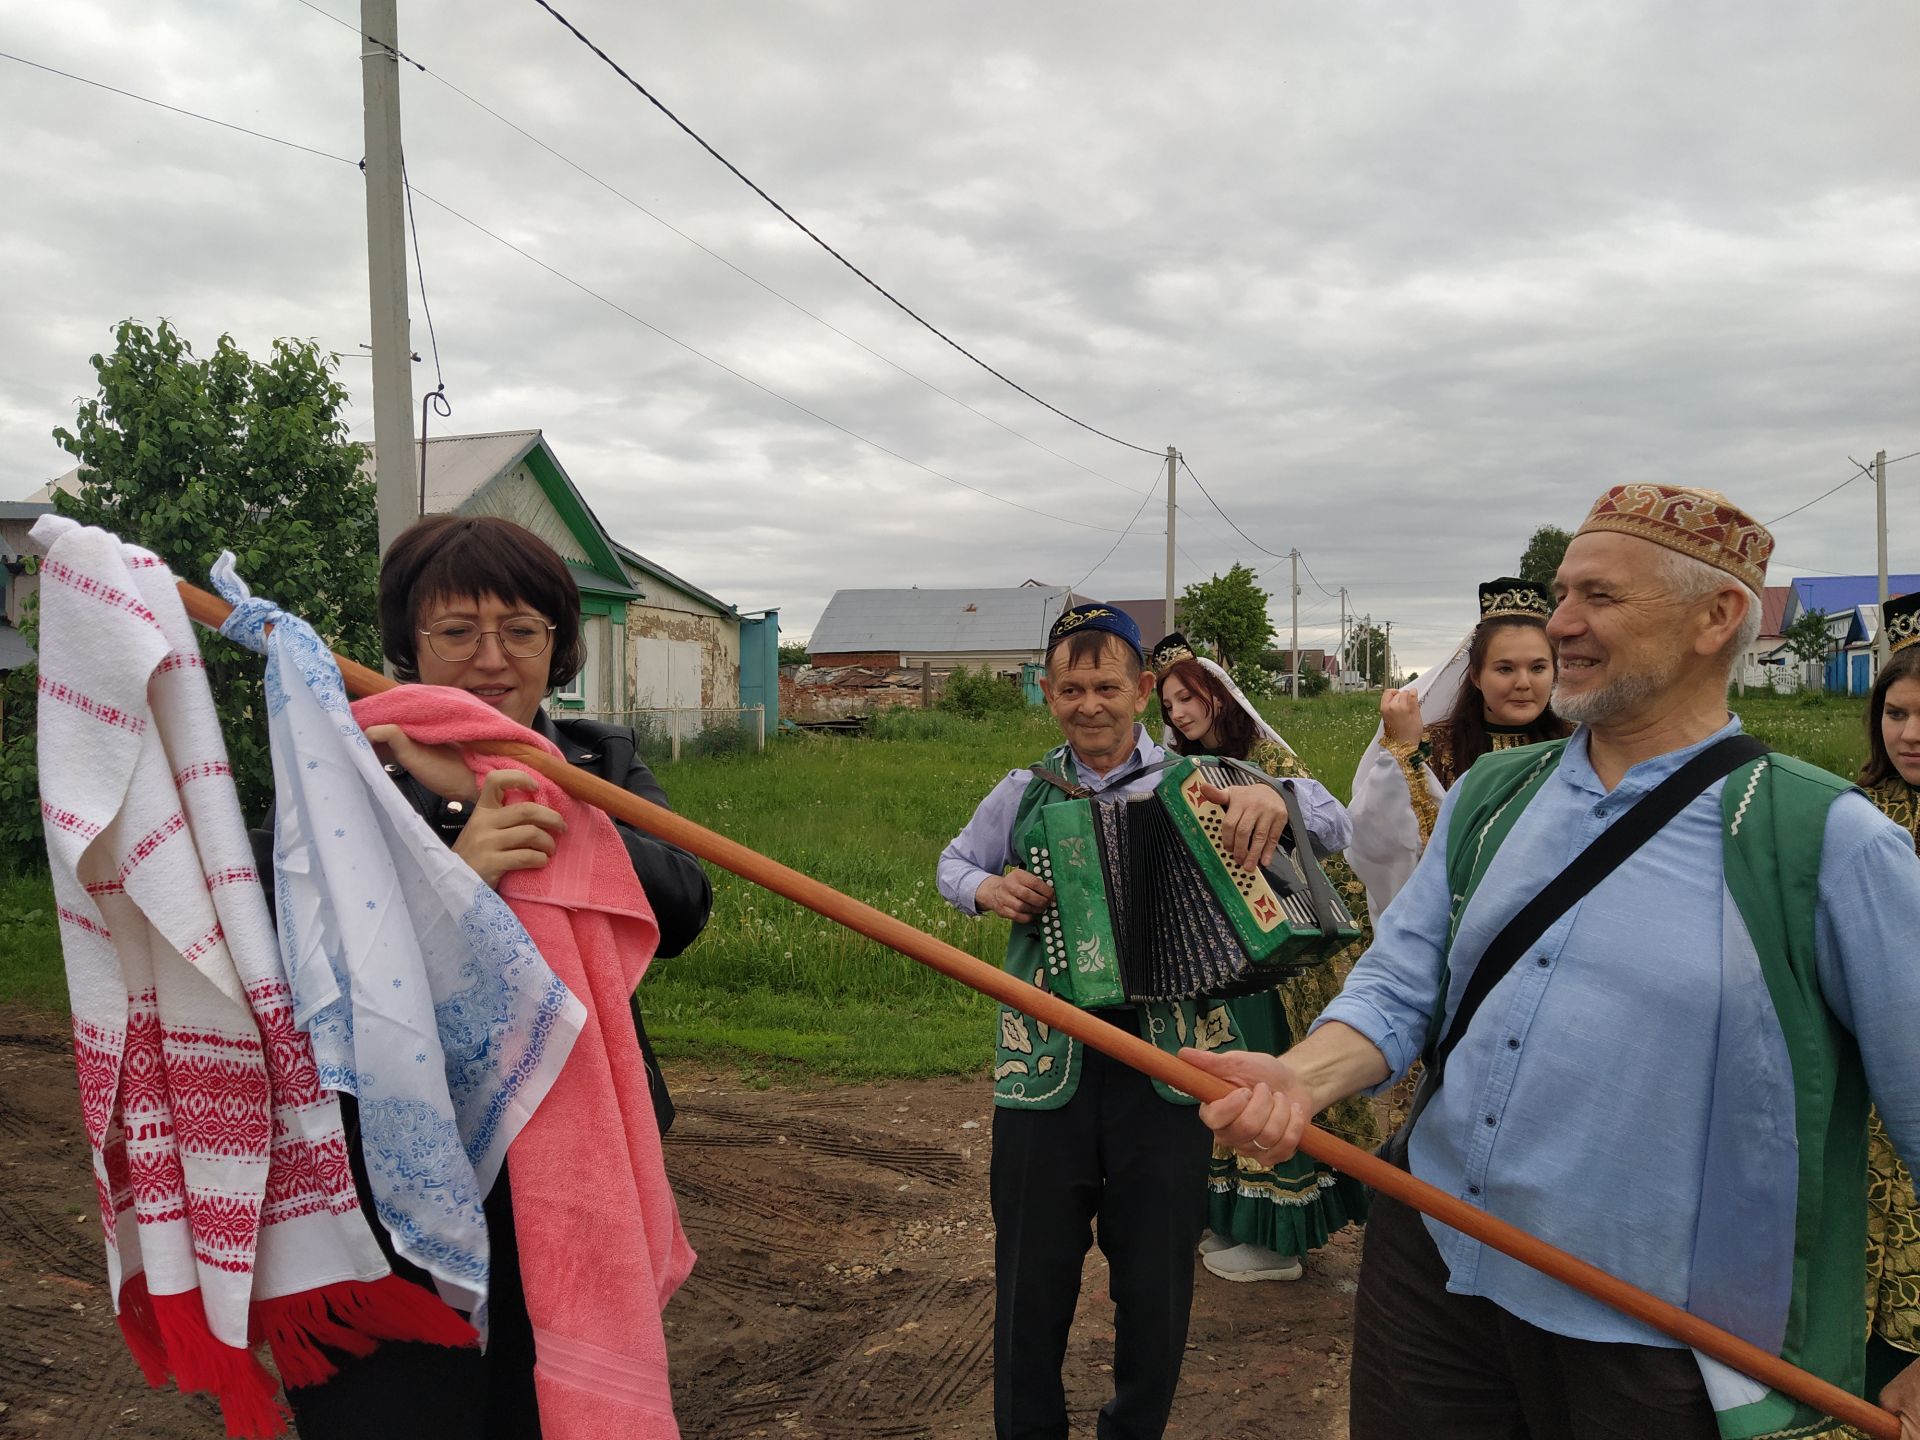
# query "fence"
(666, 734)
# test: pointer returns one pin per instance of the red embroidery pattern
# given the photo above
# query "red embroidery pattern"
(239, 875)
(295, 1078)
(98, 888)
(202, 771)
(66, 820)
(172, 826)
(219, 1104)
(79, 921)
(179, 660)
(308, 1178)
(86, 705)
(95, 590)
(141, 562)
(96, 1058)
(116, 1191)
(226, 1229)
(201, 946)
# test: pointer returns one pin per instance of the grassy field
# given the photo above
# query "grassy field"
(772, 988)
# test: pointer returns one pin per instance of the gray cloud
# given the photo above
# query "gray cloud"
(1403, 282)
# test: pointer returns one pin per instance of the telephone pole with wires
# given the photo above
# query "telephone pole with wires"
(1340, 655)
(1880, 650)
(1173, 459)
(397, 499)
(1293, 584)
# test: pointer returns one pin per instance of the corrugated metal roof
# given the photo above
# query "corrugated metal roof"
(1773, 604)
(458, 465)
(1831, 594)
(937, 621)
(23, 509)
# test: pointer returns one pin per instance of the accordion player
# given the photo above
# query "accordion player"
(1149, 904)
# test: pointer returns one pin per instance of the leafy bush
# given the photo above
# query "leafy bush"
(977, 694)
(1254, 680)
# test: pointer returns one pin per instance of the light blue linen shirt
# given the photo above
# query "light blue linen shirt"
(985, 847)
(1577, 1104)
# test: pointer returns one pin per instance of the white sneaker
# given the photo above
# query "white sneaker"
(1211, 1243)
(1253, 1262)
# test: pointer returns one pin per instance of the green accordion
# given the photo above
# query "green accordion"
(1149, 906)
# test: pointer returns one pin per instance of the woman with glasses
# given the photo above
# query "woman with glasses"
(486, 606)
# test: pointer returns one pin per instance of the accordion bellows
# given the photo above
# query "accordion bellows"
(1149, 906)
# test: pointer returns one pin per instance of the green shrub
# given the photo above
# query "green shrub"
(980, 693)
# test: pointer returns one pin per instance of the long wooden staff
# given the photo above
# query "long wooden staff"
(1131, 1050)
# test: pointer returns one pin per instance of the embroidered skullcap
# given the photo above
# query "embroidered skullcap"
(1901, 617)
(1701, 523)
(1170, 652)
(1508, 598)
(1096, 616)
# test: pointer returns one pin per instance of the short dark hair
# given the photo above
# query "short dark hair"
(444, 557)
(1902, 665)
(1088, 647)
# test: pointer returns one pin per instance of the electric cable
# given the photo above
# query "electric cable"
(799, 225)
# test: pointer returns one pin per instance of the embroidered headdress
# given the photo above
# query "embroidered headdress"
(1096, 616)
(1901, 617)
(1170, 652)
(1508, 598)
(1701, 523)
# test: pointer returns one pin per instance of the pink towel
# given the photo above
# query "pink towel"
(601, 1248)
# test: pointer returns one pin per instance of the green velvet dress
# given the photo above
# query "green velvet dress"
(1294, 1206)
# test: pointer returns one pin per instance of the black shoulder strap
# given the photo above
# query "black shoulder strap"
(1586, 870)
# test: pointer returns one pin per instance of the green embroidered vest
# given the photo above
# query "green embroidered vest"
(1037, 1067)
(1774, 814)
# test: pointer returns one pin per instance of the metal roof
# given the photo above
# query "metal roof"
(1832, 594)
(459, 465)
(970, 621)
(24, 509)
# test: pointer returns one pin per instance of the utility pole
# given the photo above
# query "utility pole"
(1366, 652)
(1173, 457)
(398, 498)
(1293, 585)
(1340, 655)
(1387, 673)
(1880, 651)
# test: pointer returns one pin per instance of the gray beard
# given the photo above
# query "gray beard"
(1597, 706)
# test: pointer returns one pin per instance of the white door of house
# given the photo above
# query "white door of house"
(666, 674)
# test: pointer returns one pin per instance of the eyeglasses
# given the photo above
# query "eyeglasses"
(522, 637)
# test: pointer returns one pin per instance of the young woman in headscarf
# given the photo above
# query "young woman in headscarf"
(1495, 692)
(1263, 1220)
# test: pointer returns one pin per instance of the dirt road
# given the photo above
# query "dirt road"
(844, 1291)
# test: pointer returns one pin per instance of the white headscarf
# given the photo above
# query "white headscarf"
(1168, 734)
(1386, 837)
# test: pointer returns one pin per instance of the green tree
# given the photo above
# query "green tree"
(1806, 638)
(794, 652)
(978, 694)
(1544, 553)
(1366, 653)
(1229, 613)
(190, 456)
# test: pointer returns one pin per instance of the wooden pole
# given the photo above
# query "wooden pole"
(1131, 1050)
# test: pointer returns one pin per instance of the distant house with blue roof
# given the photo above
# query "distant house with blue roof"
(1851, 605)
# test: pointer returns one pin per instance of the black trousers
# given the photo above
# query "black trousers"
(1118, 1160)
(1428, 1365)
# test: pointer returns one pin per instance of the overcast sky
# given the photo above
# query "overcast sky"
(1401, 281)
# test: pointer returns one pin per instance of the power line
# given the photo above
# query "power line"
(1860, 471)
(744, 274)
(420, 273)
(1117, 539)
(1330, 594)
(1211, 501)
(795, 221)
(161, 104)
(587, 290)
